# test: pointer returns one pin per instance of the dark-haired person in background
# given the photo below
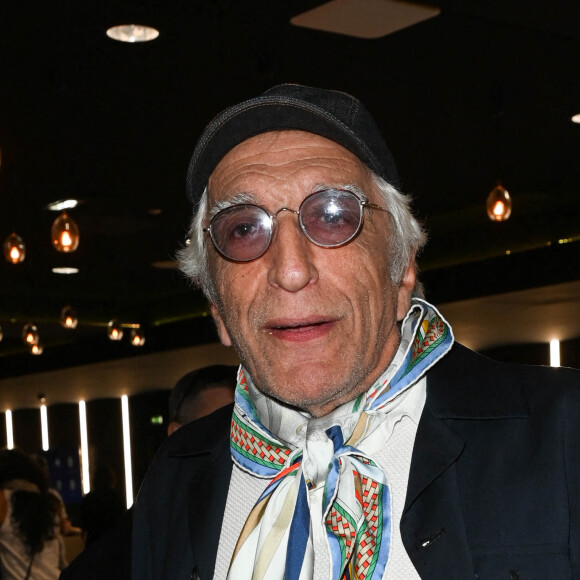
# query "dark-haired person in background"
(29, 543)
(102, 506)
(199, 393)
(363, 442)
(196, 394)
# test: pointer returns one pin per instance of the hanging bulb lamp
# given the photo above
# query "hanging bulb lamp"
(36, 349)
(137, 337)
(114, 330)
(14, 249)
(499, 204)
(68, 318)
(65, 233)
(30, 334)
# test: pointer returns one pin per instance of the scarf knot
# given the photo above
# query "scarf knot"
(300, 453)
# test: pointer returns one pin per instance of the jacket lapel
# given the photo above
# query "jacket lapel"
(207, 501)
(461, 386)
(432, 524)
(205, 446)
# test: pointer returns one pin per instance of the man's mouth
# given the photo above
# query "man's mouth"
(300, 331)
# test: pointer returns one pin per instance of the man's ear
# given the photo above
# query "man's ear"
(405, 291)
(221, 327)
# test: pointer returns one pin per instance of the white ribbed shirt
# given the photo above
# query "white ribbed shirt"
(390, 446)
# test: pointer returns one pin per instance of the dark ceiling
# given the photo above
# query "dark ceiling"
(483, 92)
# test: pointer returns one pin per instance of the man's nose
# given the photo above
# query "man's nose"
(291, 255)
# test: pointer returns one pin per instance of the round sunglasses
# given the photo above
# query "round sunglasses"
(328, 218)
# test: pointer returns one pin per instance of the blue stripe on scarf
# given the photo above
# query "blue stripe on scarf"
(335, 551)
(406, 376)
(299, 532)
(244, 402)
(445, 342)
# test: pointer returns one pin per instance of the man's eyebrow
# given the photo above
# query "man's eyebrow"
(244, 197)
(345, 186)
(238, 199)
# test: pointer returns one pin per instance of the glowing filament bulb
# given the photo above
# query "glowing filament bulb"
(65, 233)
(30, 335)
(115, 330)
(36, 349)
(68, 318)
(65, 239)
(14, 249)
(499, 204)
(137, 337)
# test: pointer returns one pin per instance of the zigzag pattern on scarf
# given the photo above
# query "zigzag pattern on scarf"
(276, 542)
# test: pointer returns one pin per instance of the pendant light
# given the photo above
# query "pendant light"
(14, 249)
(36, 349)
(137, 337)
(114, 330)
(499, 204)
(30, 334)
(68, 318)
(65, 233)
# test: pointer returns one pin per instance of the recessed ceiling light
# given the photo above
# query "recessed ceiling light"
(62, 204)
(132, 33)
(63, 270)
(576, 118)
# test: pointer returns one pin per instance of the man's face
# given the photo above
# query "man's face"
(315, 327)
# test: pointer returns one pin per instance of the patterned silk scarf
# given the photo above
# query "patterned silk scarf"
(298, 453)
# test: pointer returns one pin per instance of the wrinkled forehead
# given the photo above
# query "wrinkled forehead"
(278, 160)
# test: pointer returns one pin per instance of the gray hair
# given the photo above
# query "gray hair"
(407, 238)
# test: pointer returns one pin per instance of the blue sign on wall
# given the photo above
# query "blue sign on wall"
(65, 473)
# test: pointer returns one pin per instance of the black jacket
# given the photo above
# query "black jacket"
(493, 493)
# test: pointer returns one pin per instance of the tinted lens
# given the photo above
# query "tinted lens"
(241, 232)
(331, 217)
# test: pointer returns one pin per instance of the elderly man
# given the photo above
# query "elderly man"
(362, 443)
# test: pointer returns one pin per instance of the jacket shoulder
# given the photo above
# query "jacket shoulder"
(471, 385)
(161, 547)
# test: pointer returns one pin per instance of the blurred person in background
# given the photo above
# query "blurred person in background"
(195, 395)
(102, 506)
(63, 521)
(29, 535)
(200, 393)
